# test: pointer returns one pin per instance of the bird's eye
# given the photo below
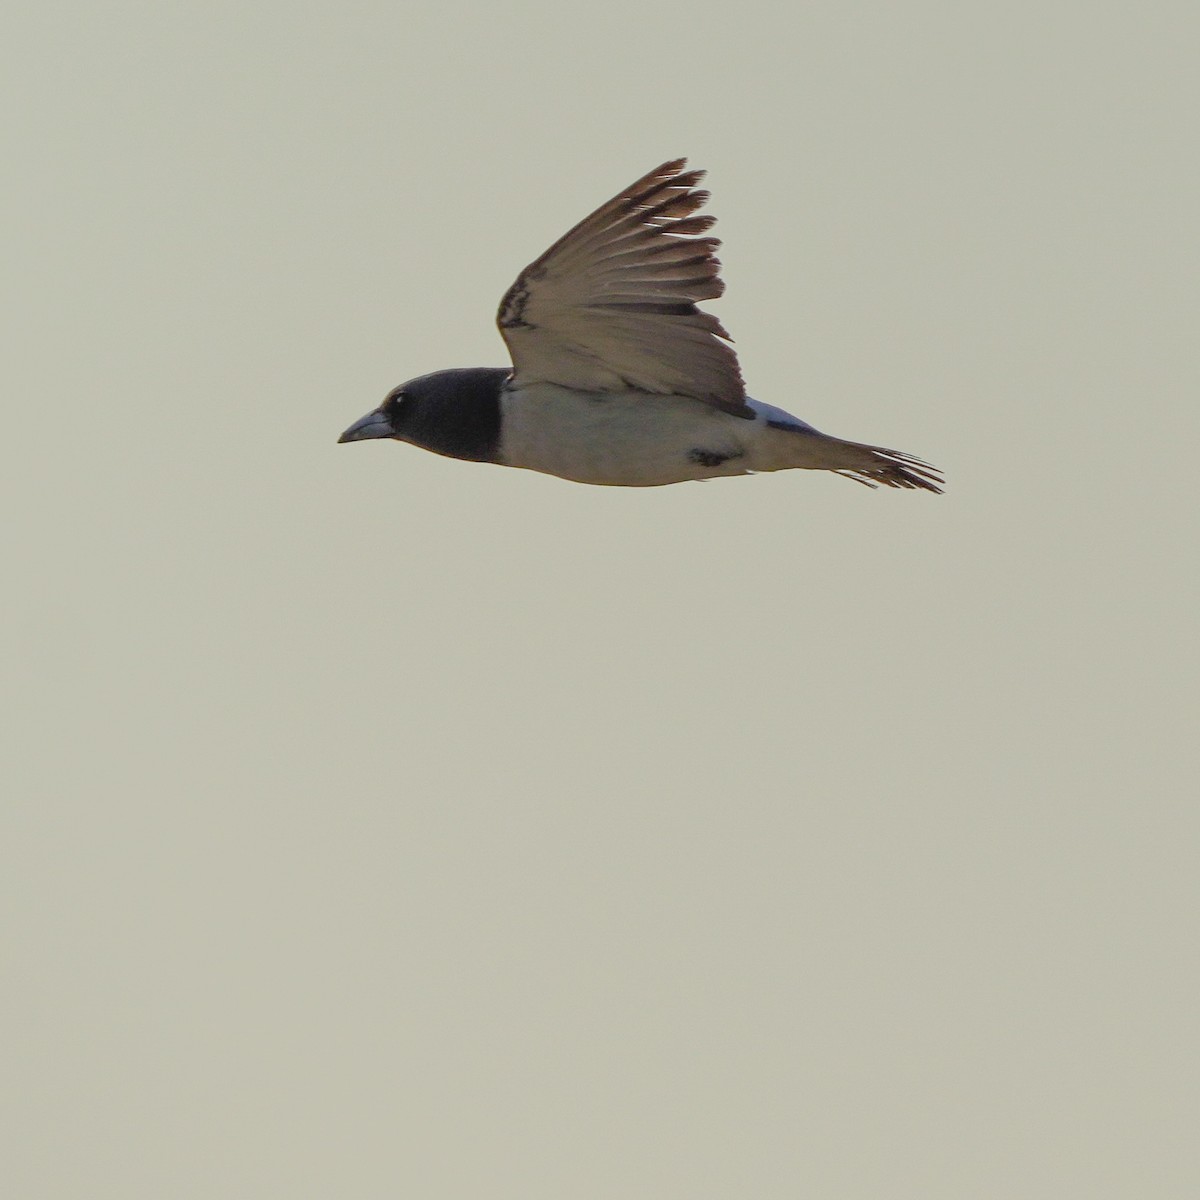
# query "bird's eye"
(393, 402)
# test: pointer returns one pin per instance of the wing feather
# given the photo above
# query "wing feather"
(612, 304)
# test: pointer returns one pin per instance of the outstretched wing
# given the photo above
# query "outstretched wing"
(612, 304)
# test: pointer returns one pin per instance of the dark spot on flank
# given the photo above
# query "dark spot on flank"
(710, 458)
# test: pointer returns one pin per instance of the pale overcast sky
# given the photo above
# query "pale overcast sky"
(382, 825)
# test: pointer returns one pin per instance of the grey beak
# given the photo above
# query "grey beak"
(373, 425)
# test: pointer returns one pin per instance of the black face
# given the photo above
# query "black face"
(393, 408)
(456, 413)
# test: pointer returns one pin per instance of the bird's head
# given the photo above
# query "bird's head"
(455, 412)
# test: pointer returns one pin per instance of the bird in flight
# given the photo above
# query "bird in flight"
(617, 377)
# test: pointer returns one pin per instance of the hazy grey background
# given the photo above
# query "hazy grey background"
(380, 825)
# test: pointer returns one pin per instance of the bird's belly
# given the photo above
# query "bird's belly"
(628, 439)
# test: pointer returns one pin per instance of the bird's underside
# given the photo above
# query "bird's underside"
(634, 439)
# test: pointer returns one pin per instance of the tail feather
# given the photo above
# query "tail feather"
(875, 465)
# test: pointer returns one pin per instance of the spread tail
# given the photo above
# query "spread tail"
(875, 465)
(809, 448)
